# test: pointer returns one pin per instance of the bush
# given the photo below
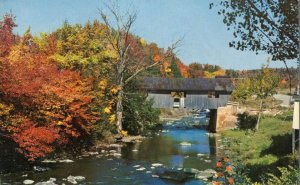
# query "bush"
(246, 121)
(289, 176)
(139, 116)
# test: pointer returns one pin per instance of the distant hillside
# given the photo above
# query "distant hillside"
(195, 70)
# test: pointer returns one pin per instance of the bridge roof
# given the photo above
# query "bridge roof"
(186, 84)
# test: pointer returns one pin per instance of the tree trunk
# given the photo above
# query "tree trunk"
(119, 108)
(119, 111)
(259, 114)
(290, 83)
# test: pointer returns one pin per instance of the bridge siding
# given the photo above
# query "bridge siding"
(197, 101)
(192, 101)
(161, 100)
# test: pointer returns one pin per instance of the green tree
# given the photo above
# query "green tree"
(268, 26)
(139, 115)
(174, 69)
(264, 85)
(242, 90)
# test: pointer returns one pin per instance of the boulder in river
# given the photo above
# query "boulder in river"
(175, 175)
(75, 179)
(184, 143)
(93, 153)
(48, 161)
(200, 155)
(40, 168)
(28, 181)
(115, 145)
(156, 164)
(51, 181)
(190, 170)
(206, 174)
(66, 161)
(207, 161)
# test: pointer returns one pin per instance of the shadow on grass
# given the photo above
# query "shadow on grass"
(258, 172)
(246, 121)
(281, 147)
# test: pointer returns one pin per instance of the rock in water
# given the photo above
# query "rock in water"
(93, 153)
(174, 175)
(185, 143)
(49, 182)
(27, 181)
(140, 169)
(75, 179)
(46, 183)
(211, 171)
(203, 175)
(156, 164)
(40, 169)
(66, 161)
(48, 161)
(79, 178)
(190, 170)
(200, 155)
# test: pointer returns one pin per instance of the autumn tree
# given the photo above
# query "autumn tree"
(7, 38)
(118, 36)
(195, 70)
(43, 107)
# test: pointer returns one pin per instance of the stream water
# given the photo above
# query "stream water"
(132, 164)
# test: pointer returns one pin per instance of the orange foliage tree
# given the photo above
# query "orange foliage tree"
(7, 38)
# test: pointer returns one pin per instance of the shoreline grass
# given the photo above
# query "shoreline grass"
(263, 151)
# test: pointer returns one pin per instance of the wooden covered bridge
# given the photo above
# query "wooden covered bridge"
(189, 93)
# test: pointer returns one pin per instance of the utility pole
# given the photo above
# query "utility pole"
(299, 83)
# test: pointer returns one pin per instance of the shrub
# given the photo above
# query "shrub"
(289, 176)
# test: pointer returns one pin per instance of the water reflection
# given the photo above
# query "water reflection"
(166, 149)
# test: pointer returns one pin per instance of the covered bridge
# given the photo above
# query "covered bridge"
(190, 93)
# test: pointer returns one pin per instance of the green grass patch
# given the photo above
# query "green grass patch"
(262, 151)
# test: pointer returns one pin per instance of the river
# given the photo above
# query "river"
(133, 163)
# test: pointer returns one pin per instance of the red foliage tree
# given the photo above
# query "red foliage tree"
(7, 38)
(33, 141)
(49, 104)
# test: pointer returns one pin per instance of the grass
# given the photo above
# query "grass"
(261, 152)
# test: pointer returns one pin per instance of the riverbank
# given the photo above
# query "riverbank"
(261, 152)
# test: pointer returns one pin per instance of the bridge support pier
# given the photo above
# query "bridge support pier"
(212, 127)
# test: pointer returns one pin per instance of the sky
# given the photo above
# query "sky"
(205, 37)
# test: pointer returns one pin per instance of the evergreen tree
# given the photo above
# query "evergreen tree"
(175, 70)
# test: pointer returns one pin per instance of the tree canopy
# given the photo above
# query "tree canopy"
(262, 26)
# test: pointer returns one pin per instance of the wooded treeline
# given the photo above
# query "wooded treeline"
(59, 89)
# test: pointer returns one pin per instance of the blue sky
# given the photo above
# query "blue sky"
(161, 21)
